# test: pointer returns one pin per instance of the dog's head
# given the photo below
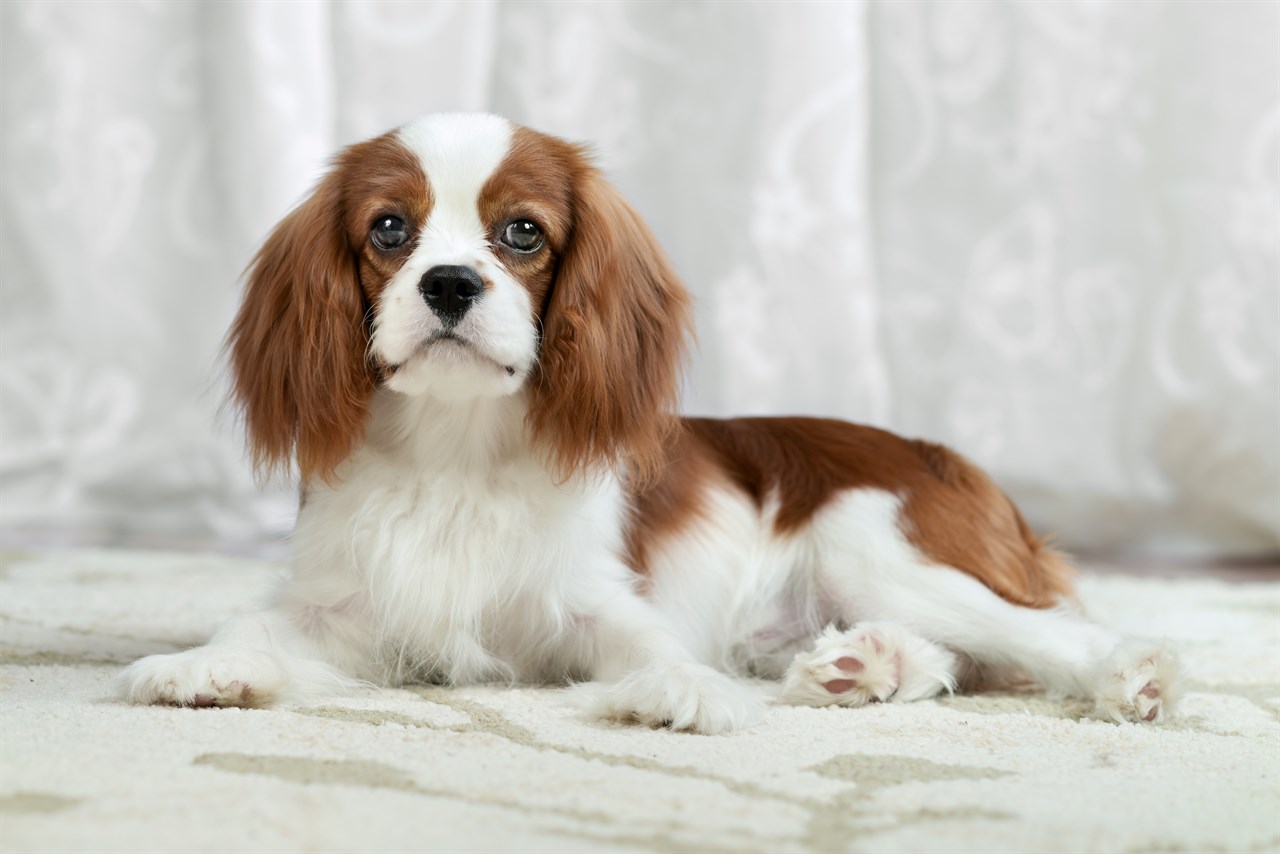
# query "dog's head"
(461, 257)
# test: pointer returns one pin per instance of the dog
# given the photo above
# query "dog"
(467, 346)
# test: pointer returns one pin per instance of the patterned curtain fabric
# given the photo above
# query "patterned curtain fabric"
(1046, 233)
(1077, 219)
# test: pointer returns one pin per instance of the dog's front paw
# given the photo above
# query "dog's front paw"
(207, 676)
(1139, 686)
(683, 696)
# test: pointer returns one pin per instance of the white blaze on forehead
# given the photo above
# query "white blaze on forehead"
(458, 152)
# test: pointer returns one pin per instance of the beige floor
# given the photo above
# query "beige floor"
(491, 769)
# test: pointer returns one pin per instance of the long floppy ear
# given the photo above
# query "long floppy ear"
(614, 335)
(297, 346)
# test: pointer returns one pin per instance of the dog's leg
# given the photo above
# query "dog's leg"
(1057, 647)
(870, 663)
(284, 654)
(868, 569)
(655, 680)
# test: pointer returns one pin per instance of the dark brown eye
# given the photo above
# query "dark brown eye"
(389, 232)
(522, 236)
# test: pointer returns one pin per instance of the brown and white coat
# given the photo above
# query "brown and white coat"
(468, 346)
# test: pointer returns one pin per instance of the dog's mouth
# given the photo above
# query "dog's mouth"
(446, 336)
(445, 349)
(445, 340)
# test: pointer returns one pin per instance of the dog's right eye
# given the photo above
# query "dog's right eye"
(389, 232)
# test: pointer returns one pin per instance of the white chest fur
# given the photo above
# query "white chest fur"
(453, 550)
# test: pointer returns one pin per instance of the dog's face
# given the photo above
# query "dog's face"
(461, 257)
(460, 251)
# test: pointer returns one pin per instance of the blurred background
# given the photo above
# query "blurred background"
(1046, 233)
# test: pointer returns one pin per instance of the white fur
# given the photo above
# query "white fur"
(738, 596)
(751, 602)
(446, 551)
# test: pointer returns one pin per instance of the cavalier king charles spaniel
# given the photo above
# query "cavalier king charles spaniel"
(467, 345)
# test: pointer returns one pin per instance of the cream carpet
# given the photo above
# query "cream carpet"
(521, 770)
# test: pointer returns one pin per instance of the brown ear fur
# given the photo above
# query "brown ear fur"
(614, 336)
(297, 346)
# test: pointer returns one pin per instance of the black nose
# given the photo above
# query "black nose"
(450, 291)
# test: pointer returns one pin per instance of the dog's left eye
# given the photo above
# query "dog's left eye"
(522, 236)
(389, 232)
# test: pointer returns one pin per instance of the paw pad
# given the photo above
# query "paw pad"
(849, 668)
(1139, 689)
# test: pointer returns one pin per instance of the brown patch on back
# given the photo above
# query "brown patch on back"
(951, 511)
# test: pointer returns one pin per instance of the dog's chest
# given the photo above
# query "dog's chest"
(469, 577)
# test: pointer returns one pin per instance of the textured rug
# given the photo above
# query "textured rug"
(522, 770)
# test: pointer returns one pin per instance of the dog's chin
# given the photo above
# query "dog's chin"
(450, 368)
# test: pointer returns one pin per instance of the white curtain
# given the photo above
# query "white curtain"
(1046, 233)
